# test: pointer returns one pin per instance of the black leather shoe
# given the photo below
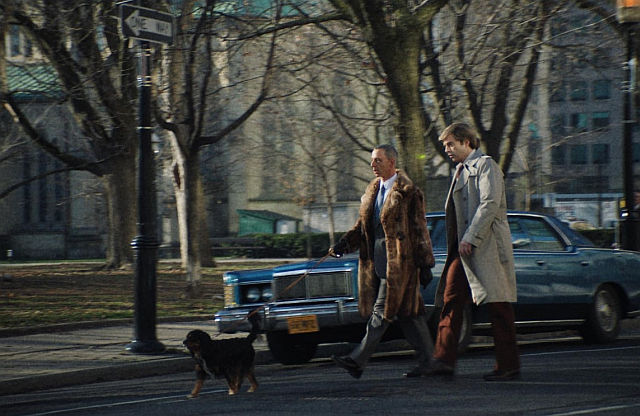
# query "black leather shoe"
(348, 364)
(418, 371)
(435, 368)
(508, 375)
(439, 368)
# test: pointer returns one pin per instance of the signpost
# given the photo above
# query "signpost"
(147, 26)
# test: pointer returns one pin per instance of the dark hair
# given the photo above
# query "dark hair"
(462, 132)
(389, 150)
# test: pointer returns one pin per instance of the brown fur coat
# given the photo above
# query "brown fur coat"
(408, 248)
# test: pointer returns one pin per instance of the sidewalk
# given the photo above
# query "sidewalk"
(74, 354)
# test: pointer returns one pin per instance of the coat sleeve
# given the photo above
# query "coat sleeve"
(353, 237)
(490, 191)
(423, 251)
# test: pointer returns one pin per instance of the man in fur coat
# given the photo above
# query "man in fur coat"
(396, 257)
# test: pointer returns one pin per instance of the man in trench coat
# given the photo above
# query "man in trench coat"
(396, 257)
(480, 264)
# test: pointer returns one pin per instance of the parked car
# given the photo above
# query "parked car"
(563, 281)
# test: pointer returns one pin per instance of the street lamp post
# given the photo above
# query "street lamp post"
(146, 25)
(145, 244)
(628, 13)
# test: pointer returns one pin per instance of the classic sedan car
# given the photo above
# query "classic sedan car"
(563, 282)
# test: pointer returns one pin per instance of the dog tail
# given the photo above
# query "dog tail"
(255, 327)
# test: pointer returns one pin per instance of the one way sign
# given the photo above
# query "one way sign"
(146, 24)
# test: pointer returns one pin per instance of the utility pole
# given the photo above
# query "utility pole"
(628, 14)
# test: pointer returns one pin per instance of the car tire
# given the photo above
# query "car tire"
(465, 330)
(291, 349)
(603, 322)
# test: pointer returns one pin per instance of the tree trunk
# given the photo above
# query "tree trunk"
(121, 212)
(187, 184)
(401, 65)
(327, 192)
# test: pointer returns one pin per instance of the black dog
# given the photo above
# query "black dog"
(231, 358)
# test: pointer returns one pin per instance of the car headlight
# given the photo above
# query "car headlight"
(267, 294)
(253, 294)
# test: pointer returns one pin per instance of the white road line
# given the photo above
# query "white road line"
(596, 410)
(129, 402)
(540, 354)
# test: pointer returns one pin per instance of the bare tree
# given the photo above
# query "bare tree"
(96, 72)
(201, 103)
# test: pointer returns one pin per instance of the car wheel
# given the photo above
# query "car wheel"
(291, 349)
(465, 329)
(603, 322)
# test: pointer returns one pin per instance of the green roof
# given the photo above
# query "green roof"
(266, 215)
(262, 8)
(35, 82)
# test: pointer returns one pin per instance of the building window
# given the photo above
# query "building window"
(14, 40)
(558, 92)
(558, 123)
(600, 120)
(578, 91)
(600, 153)
(26, 189)
(558, 26)
(579, 121)
(601, 89)
(578, 154)
(28, 47)
(558, 154)
(42, 188)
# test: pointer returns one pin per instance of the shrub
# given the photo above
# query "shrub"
(294, 245)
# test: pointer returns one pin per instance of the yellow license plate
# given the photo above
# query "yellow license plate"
(302, 324)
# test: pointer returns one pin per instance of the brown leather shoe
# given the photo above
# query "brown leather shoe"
(348, 364)
(501, 375)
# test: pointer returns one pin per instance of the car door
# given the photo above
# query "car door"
(564, 268)
(532, 270)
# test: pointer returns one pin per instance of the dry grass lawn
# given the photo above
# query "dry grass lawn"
(32, 295)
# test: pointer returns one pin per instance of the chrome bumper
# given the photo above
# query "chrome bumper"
(274, 317)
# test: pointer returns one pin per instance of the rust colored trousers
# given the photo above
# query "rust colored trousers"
(457, 295)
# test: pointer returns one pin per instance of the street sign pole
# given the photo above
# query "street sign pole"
(147, 26)
(145, 244)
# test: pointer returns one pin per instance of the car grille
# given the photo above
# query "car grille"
(315, 285)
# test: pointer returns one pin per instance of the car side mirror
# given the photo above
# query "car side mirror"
(521, 242)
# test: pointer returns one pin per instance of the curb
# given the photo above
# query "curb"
(148, 368)
(92, 375)
(71, 326)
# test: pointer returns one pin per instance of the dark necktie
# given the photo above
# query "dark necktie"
(380, 201)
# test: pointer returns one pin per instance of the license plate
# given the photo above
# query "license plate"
(302, 324)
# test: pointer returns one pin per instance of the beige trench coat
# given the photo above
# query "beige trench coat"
(478, 198)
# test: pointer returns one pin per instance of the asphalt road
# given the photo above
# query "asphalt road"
(559, 378)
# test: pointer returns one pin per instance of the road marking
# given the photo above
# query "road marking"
(129, 402)
(596, 410)
(539, 354)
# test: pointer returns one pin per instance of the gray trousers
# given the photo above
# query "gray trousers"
(415, 330)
